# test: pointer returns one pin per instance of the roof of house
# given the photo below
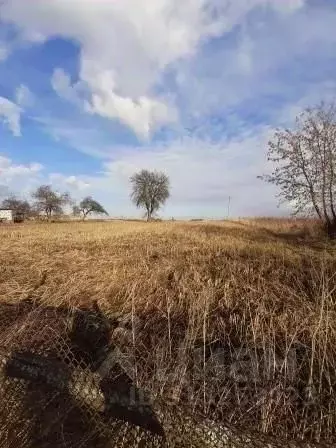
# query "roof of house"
(12, 210)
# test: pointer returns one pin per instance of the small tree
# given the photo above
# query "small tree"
(18, 205)
(87, 206)
(49, 202)
(305, 159)
(150, 190)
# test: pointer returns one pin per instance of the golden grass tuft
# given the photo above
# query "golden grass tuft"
(237, 318)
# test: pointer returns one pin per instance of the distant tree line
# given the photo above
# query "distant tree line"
(49, 203)
(150, 190)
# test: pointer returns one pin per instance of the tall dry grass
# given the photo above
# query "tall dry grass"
(237, 318)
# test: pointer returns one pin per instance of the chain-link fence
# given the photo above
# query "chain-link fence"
(62, 387)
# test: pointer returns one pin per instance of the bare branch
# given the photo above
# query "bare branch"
(304, 161)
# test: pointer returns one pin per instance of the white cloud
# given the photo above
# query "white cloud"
(10, 114)
(19, 178)
(287, 6)
(280, 60)
(24, 178)
(142, 115)
(82, 137)
(61, 83)
(4, 51)
(10, 111)
(127, 45)
(24, 97)
(9, 170)
(74, 183)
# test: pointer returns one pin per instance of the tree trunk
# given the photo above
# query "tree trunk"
(333, 212)
(331, 229)
(331, 193)
(86, 213)
(316, 207)
(331, 155)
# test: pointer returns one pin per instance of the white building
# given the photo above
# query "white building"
(6, 215)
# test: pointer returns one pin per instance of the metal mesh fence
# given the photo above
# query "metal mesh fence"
(60, 387)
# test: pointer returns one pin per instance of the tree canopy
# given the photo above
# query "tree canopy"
(150, 190)
(87, 206)
(18, 205)
(305, 164)
(49, 201)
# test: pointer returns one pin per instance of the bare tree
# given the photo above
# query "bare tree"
(18, 205)
(305, 164)
(150, 190)
(87, 206)
(49, 202)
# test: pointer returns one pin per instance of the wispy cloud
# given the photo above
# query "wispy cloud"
(74, 183)
(18, 178)
(61, 83)
(269, 61)
(10, 115)
(11, 111)
(24, 97)
(73, 133)
(9, 170)
(24, 178)
(4, 51)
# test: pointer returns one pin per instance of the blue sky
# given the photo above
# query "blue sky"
(93, 90)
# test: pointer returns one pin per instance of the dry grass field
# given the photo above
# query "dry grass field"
(237, 318)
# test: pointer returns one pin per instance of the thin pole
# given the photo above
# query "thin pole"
(228, 209)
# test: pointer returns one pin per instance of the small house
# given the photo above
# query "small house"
(10, 216)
